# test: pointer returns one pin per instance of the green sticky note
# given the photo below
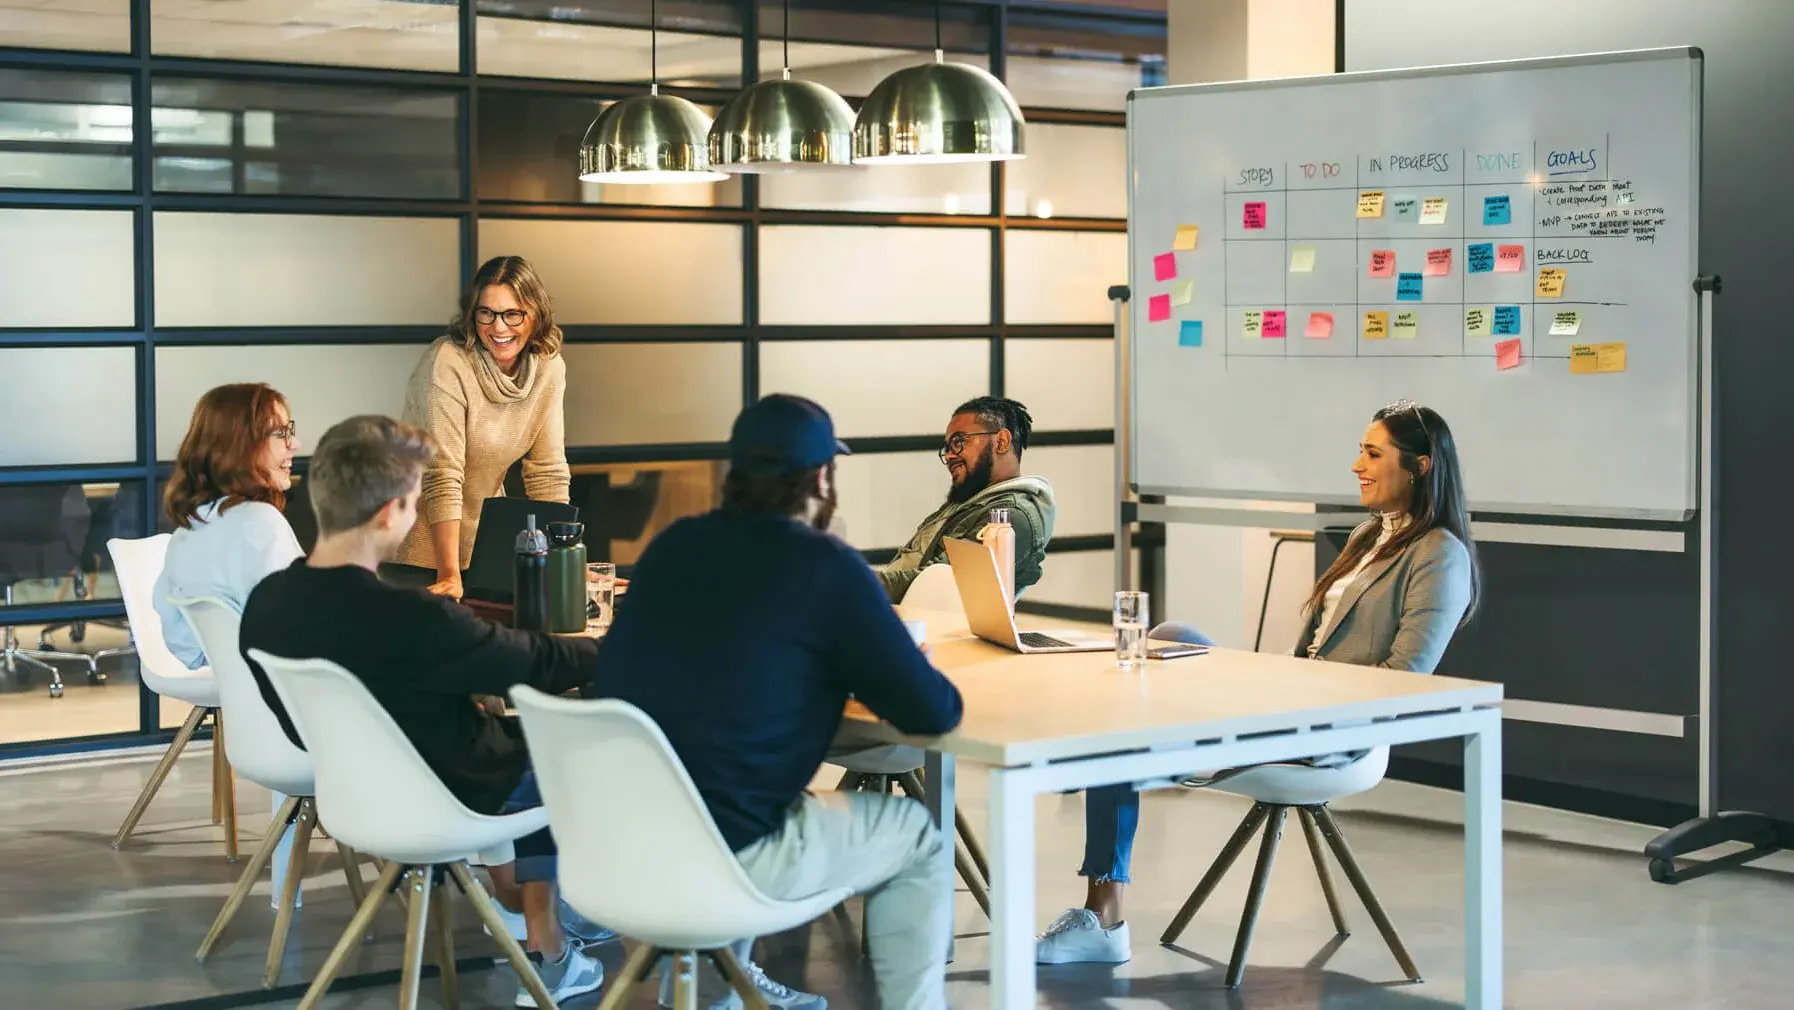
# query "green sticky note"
(1182, 292)
(1479, 320)
(1406, 325)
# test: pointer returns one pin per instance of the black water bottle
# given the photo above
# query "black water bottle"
(529, 580)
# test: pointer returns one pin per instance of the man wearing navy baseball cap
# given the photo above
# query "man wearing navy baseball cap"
(744, 633)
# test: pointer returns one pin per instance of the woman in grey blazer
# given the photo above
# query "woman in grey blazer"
(1405, 582)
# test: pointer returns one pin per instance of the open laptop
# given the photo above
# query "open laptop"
(488, 575)
(987, 612)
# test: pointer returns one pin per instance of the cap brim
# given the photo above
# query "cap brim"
(841, 448)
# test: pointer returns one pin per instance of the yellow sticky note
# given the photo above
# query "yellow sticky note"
(1432, 210)
(1376, 326)
(1186, 237)
(1255, 321)
(1479, 320)
(1610, 357)
(1551, 282)
(1301, 259)
(1407, 325)
(1370, 203)
(1584, 359)
(1566, 324)
(1182, 292)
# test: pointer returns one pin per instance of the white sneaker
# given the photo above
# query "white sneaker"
(574, 975)
(1078, 937)
(777, 996)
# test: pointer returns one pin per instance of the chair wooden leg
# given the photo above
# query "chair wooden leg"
(974, 883)
(163, 767)
(724, 958)
(972, 868)
(251, 873)
(217, 767)
(227, 786)
(1255, 894)
(289, 892)
(358, 890)
(636, 966)
(1217, 870)
(482, 907)
(351, 938)
(849, 782)
(973, 847)
(442, 928)
(417, 931)
(1349, 863)
(1310, 832)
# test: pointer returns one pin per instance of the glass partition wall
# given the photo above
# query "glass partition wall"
(198, 193)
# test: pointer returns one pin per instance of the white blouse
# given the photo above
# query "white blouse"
(1393, 522)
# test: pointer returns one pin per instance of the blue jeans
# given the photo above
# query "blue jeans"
(536, 853)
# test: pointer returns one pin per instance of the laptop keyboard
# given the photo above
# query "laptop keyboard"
(1036, 640)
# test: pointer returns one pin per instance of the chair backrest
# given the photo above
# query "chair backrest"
(138, 564)
(257, 746)
(639, 848)
(1180, 631)
(934, 589)
(373, 789)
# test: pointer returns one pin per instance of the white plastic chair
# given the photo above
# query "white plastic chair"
(662, 874)
(265, 756)
(377, 795)
(138, 564)
(934, 589)
(1274, 789)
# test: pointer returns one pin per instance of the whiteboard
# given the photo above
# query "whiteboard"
(1295, 187)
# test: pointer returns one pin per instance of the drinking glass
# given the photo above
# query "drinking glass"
(1130, 630)
(601, 588)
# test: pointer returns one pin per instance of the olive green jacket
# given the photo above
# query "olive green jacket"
(1031, 509)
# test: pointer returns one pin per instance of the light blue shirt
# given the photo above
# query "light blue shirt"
(222, 556)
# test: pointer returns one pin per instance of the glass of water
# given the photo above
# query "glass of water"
(1130, 630)
(601, 591)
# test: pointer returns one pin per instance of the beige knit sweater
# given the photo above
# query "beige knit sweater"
(483, 421)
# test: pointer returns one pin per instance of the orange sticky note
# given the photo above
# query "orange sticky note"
(1320, 325)
(1376, 326)
(1438, 262)
(1382, 263)
(1610, 357)
(1509, 259)
(1583, 359)
(1370, 203)
(1507, 355)
(1186, 237)
(1551, 282)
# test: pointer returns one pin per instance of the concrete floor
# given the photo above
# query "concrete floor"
(84, 926)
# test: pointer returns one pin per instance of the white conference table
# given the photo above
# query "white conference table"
(1044, 724)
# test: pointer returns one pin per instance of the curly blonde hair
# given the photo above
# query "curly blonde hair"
(515, 273)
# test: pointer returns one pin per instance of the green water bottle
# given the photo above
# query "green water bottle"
(566, 578)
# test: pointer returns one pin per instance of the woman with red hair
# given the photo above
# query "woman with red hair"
(225, 499)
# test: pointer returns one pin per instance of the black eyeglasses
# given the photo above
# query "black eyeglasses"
(286, 434)
(956, 443)
(512, 317)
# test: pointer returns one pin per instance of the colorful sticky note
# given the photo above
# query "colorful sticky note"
(1566, 324)
(1433, 211)
(1510, 259)
(1376, 326)
(1438, 262)
(1158, 308)
(1497, 210)
(1370, 203)
(1186, 237)
(1255, 216)
(1507, 320)
(1507, 355)
(1407, 325)
(1583, 359)
(1320, 325)
(1182, 292)
(1408, 287)
(1189, 333)
(1610, 357)
(1479, 257)
(1301, 259)
(1253, 325)
(1404, 208)
(1551, 282)
(1275, 324)
(1382, 263)
(1479, 320)
(1164, 266)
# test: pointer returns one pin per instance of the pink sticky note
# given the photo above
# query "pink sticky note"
(1164, 266)
(1507, 355)
(1382, 263)
(1320, 325)
(1276, 322)
(1158, 308)
(1510, 259)
(1255, 216)
(1438, 262)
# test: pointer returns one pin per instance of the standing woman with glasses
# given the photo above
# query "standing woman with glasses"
(225, 499)
(490, 393)
(1405, 582)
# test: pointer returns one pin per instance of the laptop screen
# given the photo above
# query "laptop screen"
(488, 574)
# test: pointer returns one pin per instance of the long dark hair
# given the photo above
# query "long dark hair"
(1437, 502)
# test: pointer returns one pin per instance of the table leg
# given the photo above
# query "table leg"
(1482, 865)
(941, 790)
(1012, 892)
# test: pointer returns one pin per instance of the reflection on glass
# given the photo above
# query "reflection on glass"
(566, 49)
(1058, 62)
(53, 539)
(89, 25)
(61, 130)
(851, 71)
(398, 34)
(623, 506)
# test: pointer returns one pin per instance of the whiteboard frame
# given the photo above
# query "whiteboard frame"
(1700, 382)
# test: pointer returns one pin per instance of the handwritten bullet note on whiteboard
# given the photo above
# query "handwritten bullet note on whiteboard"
(1406, 325)
(1479, 320)
(1301, 259)
(1164, 266)
(1510, 259)
(1433, 211)
(1408, 287)
(1370, 203)
(1551, 282)
(1254, 325)
(1382, 263)
(1404, 208)
(1507, 355)
(1438, 262)
(1566, 324)
(1276, 324)
(1497, 210)
(1186, 237)
(1479, 258)
(1376, 326)
(1189, 333)
(1320, 325)
(1254, 217)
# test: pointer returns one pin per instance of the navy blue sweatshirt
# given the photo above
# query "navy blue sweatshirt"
(743, 637)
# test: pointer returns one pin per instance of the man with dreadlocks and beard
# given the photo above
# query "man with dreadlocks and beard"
(983, 455)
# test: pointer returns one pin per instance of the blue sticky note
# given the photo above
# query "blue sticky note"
(1407, 287)
(1497, 210)
(1507, 320)
(1189, 333)
(1481, 257)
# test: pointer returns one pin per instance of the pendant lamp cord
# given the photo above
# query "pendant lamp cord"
(937, 26)
(787, 38)
(654, 45)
